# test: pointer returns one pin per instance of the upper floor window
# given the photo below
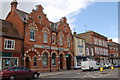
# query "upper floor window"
(53, 39)
(68, 42)
(45, 37)
(87, 51)
(61, 41)
(78, 41)
(53, 59)
(95, 41)
(32, 35)
(9, 44)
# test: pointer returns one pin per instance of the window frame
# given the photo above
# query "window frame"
(46, 58)
(69, 45)
(61, 40)
(34, 62)
(45, 37)
(33, 36)
(54, 59)
(12, 44)
(53, 39)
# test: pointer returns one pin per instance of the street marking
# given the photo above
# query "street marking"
(94, 77)
(78, 73)
(84, 76)
(87, 73)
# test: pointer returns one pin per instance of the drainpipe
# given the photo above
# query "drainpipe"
(50, 52)
(58, 52)
(22, 58)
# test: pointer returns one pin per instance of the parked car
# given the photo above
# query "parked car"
(116, 65)
(12, 73)
(89, 65)
(107, 65)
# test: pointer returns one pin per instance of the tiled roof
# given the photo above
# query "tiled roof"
(21, 14)
(8, 29)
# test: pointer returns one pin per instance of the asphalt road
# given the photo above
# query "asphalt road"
(77, 74)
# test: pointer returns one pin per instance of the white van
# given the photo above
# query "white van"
(89, 65)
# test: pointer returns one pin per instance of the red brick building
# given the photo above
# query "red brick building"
(47, 45)
(11, 45)
(114, 52)
(96, 46)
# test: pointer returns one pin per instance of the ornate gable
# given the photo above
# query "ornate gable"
(33, 26)
(45, 29)
(61, 34)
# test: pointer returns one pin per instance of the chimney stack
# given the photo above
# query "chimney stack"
(64, 19)
(39, 8)
(14, 5)
(74, 33)
(110, 40)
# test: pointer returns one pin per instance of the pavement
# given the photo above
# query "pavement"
(47, 74)
(76, 73)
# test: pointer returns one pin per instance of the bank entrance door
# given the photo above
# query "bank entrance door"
(27, 63)
(61, 61)
(68, 62)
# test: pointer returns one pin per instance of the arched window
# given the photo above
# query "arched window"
(45, 37)
(45, 59)
(53, 59)
(35, 62)
(32, 35)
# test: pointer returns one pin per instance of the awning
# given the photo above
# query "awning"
(9, 54)
(5, 54)
(81, 57)
(91, 57)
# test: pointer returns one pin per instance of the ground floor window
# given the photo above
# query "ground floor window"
(9, 61)
(45, 59)
(35, 62)
(53, 59)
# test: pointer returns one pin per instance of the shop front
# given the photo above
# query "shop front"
(9, 59)
(78, 60)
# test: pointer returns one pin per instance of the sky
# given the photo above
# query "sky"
(100, 16)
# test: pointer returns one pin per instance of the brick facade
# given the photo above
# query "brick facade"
(39, 54)
(11, 45)
(114, 53)
(96, 46)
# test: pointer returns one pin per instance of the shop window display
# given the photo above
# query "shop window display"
(8, 62)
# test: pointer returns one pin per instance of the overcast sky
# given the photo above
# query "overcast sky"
(98, 15)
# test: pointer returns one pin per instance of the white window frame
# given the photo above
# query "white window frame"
(12, 44)
(61, 40)
(69, 45)
(45, 37)
(87, 51)
(33, 35)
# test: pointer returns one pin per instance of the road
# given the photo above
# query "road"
(75, 74)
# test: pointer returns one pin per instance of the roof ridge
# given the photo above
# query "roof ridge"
(22, 11)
